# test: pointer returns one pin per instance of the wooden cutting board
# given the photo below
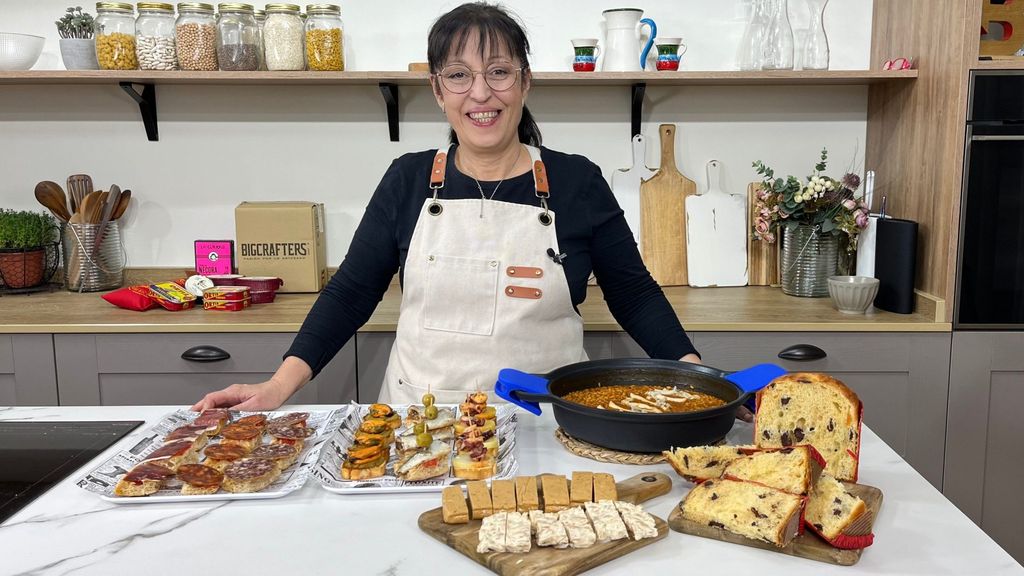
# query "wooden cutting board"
(626, 184)
(807, 545)
(550, 561)
(716, 235)
(763, 258)
(663, 216)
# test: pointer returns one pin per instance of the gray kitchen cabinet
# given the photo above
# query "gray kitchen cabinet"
(28, 376)
(148, 369)
(601, 345)
(984, 469)
(372, 352)
(901, 378)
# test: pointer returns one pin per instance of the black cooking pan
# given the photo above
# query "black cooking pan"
(629, 431)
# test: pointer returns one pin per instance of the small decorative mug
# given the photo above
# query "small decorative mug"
(587, 51)
(669, 52)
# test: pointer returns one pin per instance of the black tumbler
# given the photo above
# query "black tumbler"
(895, 261)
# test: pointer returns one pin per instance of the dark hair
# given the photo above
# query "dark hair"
(494, 27)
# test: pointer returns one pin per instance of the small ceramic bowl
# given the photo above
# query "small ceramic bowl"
(852, 294)
(19, 51)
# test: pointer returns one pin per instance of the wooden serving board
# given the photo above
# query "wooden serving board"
(663, 216)
(807, 545)
(551, 561)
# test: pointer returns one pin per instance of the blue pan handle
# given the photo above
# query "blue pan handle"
(512, 384)
(754, 378)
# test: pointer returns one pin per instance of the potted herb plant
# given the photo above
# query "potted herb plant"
(24, 238)
(77, 46)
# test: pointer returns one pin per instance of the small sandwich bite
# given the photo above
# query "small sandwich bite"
(386, 413)
(197, 433)
(255, 420)
(221, 455)
(214, 419)
(174, 454)
(198, 479)
(292, 435)
(250, 475)
(284, 455)
(248, 437)
(290, 419)
(142, 480)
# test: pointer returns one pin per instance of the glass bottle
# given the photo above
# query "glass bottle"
(155, 43)
(283, 38)
(196, 34)
(751, 51)
(778, 40)
(115, 36)
(325, 46)
(815, 54)
(238, 38)
(261, 20)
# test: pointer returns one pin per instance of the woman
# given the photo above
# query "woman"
(494, 240)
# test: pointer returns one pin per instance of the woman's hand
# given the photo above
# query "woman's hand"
(292, 375)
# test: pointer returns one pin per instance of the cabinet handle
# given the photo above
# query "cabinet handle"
(802, 353)
(205, 354)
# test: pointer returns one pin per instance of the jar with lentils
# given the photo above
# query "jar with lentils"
(115, 36)
(283, 37)
(154, 36)
(261, 20)
(325, 49)
(196, 33)
(238, 38)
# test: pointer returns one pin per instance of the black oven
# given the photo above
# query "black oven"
(990, 262)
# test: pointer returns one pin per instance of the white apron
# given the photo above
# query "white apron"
(481, 293)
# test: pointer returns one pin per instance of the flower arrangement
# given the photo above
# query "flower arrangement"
(822, 201)
(75, 24)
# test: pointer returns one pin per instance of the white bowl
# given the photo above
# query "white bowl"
(852, 294)
(19, 51)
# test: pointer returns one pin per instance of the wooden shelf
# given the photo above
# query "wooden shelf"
(1001, 64)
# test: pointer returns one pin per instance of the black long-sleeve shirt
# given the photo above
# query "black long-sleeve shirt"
(591, 231)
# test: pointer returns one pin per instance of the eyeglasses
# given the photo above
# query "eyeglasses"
(458, 79)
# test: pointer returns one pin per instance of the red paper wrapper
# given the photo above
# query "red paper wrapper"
(847, 541)
(130, 299)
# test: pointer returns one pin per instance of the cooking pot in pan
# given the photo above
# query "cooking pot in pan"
(631, 431)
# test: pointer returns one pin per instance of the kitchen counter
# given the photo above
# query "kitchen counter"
(754, 309)
(313, 531)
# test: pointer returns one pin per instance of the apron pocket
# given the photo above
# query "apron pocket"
(461, 294)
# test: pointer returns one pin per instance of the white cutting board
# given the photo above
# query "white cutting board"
(716, 235)
(626, 184)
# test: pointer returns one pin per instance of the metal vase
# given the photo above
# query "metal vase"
(808, 259)
(92, 267)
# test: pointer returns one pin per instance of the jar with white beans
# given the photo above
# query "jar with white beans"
(283, 37)
(155, 44)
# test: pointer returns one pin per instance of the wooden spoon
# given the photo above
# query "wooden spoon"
(122, 205)
(51, 195)
(87, 209)
(109, 201)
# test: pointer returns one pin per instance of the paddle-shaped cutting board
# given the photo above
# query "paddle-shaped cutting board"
(550, 561)
(807, 545)
(663, 216)
(716, 235)
(762, 257)
(626, 184)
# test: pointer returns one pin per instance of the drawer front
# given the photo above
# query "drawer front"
(7, 354)
(161, 353)
(28, 376)
(178, 389)
(850, 352)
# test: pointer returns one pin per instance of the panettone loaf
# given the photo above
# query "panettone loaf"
(745, 508)
(838, 516)
(794, 470)
(699, 463)
(816, 409)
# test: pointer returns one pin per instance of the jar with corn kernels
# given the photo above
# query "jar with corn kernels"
(115, 36)
(325, 47)
(155, 43)
(196, 33)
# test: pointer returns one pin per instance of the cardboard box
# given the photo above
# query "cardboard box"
(283, 239)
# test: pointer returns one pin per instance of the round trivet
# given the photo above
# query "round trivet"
(588, 450)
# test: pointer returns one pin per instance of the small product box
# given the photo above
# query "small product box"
(283, 240)
(214, 257)
(231, 298)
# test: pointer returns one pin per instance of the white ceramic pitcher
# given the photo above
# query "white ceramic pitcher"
(622, 52)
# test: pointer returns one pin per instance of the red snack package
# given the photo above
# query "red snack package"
(130, 299)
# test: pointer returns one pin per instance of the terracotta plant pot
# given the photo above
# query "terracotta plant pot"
(23, 269)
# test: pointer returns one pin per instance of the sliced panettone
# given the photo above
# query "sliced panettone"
(794, 470)
(699, 463)
(839, 517)
(745, 508)
(816, 409)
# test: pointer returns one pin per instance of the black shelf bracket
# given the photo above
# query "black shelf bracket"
(390, 93)
(147, 105)
(638, 107)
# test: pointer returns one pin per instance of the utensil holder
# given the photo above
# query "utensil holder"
(86, 270)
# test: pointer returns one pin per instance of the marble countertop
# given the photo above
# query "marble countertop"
(312, 531)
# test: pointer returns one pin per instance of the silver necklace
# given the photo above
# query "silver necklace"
(495, 191)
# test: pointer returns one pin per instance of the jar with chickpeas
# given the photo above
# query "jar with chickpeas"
(283, 37)
(115, 36)
(155, 43)
(325, 47)
(238, 38)
(196, 33)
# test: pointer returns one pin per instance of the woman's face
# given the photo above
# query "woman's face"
(483, 118)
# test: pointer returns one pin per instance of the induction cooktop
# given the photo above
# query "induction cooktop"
(35, 456)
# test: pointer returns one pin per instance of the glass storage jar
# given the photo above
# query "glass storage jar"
(325, 47)
(238, 38)
(283, 36)
(196, 34)
(261, 20)
(154, 36)
(115, 36)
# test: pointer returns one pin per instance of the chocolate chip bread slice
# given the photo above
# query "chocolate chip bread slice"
(794, 470)
(839, 517)
(699, 463)
(745, 508)
(816, 409)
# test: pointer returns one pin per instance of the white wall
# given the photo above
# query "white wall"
(220, 145)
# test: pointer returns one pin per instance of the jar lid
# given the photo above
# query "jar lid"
(259, 13)
(277, 8)
(156, 6)
(323, 9)
(114, 6)
(235, 7)
(195, 6)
